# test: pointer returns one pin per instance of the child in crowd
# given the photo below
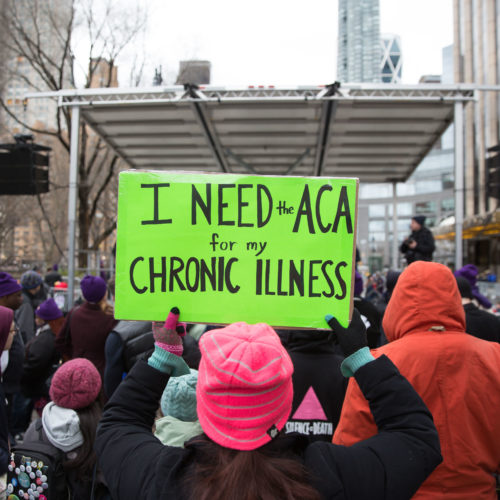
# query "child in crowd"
(41, 358)
(69, 423)
(178, 405)
(244, 398)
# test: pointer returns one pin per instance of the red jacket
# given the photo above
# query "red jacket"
(457, 375)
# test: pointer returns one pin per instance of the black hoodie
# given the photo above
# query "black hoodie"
(318, 385)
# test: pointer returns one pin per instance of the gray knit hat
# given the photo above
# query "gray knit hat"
(30, 280)
(179, 397)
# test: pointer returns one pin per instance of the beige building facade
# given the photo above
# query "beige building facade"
(476, 58)
(477, 61)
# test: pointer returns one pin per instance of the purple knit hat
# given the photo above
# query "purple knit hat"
(8, 285)
(358, 284)
(470, 272)
(48, 310)
(93, 288)
(244, 392)
(76, 384)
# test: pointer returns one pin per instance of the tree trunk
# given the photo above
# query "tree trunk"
(83, 227)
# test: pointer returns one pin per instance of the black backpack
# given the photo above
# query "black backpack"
(36, 469)
(138, 341)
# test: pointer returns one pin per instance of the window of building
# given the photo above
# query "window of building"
(406, 189)
(448, 205)
(447, 180)
(428, 186)
(376, 226)
(375, 191)
(379, 236)
(425, 207)
(403, 225)
(376, 210)
(402, 209)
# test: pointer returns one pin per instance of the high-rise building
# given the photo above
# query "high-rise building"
(476, 55)
(105, 74)
(38, 31)
(392, 60)
(359, 51)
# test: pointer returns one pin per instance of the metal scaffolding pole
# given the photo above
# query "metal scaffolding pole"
(73, 186)
(395, 248)
(459, 182)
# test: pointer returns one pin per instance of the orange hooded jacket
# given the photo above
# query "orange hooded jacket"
(457, 375)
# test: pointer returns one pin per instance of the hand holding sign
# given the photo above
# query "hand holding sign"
(352, 338)
(168, 336)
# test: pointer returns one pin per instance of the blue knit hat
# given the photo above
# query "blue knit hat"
(179, 397)
(30, 280)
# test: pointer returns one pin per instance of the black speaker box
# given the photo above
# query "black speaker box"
(23, 172)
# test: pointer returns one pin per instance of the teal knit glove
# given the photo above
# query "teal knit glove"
(167, 356)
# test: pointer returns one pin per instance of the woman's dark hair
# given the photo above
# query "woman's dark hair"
(83, 463)
(262, 474)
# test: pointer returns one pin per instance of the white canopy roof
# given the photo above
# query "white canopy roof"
(378, 133)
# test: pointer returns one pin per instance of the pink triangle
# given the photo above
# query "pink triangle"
(310, 408)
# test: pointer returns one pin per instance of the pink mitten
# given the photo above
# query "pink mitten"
(168, 335)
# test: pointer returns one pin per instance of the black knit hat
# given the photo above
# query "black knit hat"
(419, 219)
(464, 287)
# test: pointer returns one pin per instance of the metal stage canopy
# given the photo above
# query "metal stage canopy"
(376, 132)
(379, 133)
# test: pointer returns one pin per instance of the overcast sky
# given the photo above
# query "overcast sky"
(281, 42)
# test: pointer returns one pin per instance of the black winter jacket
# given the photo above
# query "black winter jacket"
(11, 378)
(390, 465)
(481, 324)
(40, 363)
(425, 246)
(4, 434)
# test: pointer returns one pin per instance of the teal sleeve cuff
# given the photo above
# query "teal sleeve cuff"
(351, 364)
(168, 363)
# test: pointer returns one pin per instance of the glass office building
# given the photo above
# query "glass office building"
(359, 51)
(392, 60)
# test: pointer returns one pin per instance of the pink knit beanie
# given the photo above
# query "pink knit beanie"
(76, 384)
(244, 393)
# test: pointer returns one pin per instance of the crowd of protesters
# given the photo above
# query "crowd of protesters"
(401, 403)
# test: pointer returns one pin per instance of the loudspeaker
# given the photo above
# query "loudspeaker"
(23, 171)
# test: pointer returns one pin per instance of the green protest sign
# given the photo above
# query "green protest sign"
(228, 247)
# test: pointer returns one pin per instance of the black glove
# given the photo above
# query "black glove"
(352, 338)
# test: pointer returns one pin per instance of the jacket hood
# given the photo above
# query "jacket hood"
(62, 427)
(174, 432)
(426, 296)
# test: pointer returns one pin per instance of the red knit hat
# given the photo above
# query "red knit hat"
(76, 384)
(244, 393)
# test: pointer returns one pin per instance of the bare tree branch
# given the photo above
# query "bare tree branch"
(103, 186)
(47, 219)
(107, 232)
(33, 129)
